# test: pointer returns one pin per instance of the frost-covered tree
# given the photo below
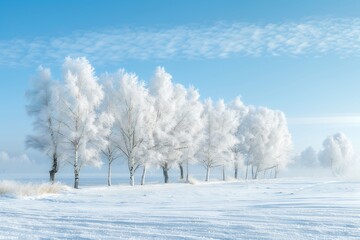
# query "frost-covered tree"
(220, 124)
(111, 153)
(190, 134)
(43, 106)
(162, 89)
(307, 157)
(132, 108)
(148, 158)
(177, 120)
(266, 140)
(337, 153)
(238, 151)
(84, 129)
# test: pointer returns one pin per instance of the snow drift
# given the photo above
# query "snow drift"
(12, 188)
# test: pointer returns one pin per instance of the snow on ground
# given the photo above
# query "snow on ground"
(288, 208)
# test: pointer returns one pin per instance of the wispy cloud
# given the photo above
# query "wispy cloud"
(19, 160)
(326, 120)
(315, 37)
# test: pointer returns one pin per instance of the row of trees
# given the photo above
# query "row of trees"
(84, 120)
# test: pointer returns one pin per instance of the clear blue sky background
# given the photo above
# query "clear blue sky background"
(317, 87)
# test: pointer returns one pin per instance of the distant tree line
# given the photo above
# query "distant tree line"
(337, 154)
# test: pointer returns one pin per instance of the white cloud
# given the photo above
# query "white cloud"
(318, 37)
(18, 160)
(326, 120)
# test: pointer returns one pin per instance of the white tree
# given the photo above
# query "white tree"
(148, 158)
(84, 131)
(220, 124)
(337, 153)
(307, 158)
(110, 151)
(238, 151)
(266, 140)
(111, 154)
(131, 106)
(43, 106)
(188, 132)
(162, 89)
(177, 121)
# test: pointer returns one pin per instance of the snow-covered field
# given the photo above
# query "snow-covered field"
(287, 208)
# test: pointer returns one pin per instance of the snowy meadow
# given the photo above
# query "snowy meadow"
(286, 208)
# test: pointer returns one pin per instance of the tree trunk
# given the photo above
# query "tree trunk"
(143, 176)
(224, 174)
(109, 174)
(256, 173)
(276, 172)
(236, 171)
(52, 176)
(54, 168)
(76, 169)
(247, 170)
(166, 173)
(181, 171)
(187, 170)
(76, 184)
(132, 180)
(207, 174)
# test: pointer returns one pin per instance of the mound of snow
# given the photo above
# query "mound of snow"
(193, 180)
(16, 189)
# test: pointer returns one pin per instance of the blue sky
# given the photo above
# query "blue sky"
(301, 57)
